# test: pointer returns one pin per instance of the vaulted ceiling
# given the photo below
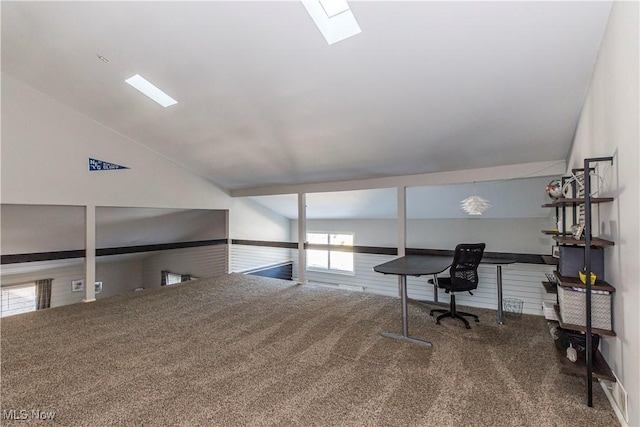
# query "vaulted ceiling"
(264, 100)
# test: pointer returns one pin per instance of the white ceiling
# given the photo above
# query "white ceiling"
(264, 100)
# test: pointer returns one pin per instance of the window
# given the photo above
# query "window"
(173, 279)
(18, 299)
(168, 278)
(330, 260)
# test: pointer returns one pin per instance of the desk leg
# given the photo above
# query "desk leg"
(435, 288)
(405, 322)
(499, 283)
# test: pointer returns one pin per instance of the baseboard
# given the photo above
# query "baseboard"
(614, 406)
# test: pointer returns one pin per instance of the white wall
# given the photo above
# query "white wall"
(521, 235)
(250, 220)
(245, 257)
(45, 147)
(117, 278)
(30, 228)
(117, 226)
(520, 281)
(45, 150)
(609, 126)
(61, 293)
(201, 262)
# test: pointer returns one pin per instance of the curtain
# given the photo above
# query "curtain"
(43, 293)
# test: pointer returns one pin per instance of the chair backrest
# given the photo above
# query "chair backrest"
(464, 269)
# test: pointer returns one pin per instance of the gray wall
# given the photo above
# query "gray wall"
(45, 150)
(609, 126)
(117, 277)
(519, 235)
(202, 262)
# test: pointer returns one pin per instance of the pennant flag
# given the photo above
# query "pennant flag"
(101, 165)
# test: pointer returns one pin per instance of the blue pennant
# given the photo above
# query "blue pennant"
(101, 165)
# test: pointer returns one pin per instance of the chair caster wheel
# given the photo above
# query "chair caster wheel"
(467, 326)
(477, 320)
(438, 322)
(431, 314)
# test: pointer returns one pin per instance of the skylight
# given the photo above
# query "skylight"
(334, 7)
(333, 18)
(151, 91)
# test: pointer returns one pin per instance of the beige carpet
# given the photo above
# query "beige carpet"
(241, 350)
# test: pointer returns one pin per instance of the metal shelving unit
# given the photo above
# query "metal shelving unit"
(595, 365)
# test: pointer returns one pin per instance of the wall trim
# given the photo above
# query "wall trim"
(41, 256)
(385, 250)
(158, 247)
(273, 244)
(81, 253)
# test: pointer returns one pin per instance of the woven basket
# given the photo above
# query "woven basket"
(573, 312)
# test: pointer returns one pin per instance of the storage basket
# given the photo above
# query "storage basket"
(512, 306)
(573, 308)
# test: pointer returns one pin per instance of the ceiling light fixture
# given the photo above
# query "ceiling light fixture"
(151, 91)
(333, 18)
(475, 205)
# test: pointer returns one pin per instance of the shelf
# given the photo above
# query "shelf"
(596, 242)
(551, 232)
(550, 287)
(601, 369)
(574, 282)
(576, 201)
(581, 328)
(549, 260)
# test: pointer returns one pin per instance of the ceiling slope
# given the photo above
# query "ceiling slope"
(263, 100)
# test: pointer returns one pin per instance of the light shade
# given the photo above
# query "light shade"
(475, 205)
(333, 18)
(146, 87)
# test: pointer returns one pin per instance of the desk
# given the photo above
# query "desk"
(412, 265)
(422, 265)
(499, 262)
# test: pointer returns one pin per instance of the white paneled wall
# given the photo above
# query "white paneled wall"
(204, 261)
(364, 276)
(117, 278)
(521, 281)
(60, 287)
(120, 276)
(246, 257)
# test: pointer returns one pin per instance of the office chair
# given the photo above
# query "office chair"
(463, 278)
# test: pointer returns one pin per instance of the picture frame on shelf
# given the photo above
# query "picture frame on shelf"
(577, 231)
(77, 285)
(555, 251)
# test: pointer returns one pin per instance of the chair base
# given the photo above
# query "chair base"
(455, 315)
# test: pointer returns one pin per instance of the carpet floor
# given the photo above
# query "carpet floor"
(249, 351)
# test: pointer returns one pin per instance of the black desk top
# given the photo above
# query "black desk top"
(415, 265)
(422, 265)
(496, 260)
